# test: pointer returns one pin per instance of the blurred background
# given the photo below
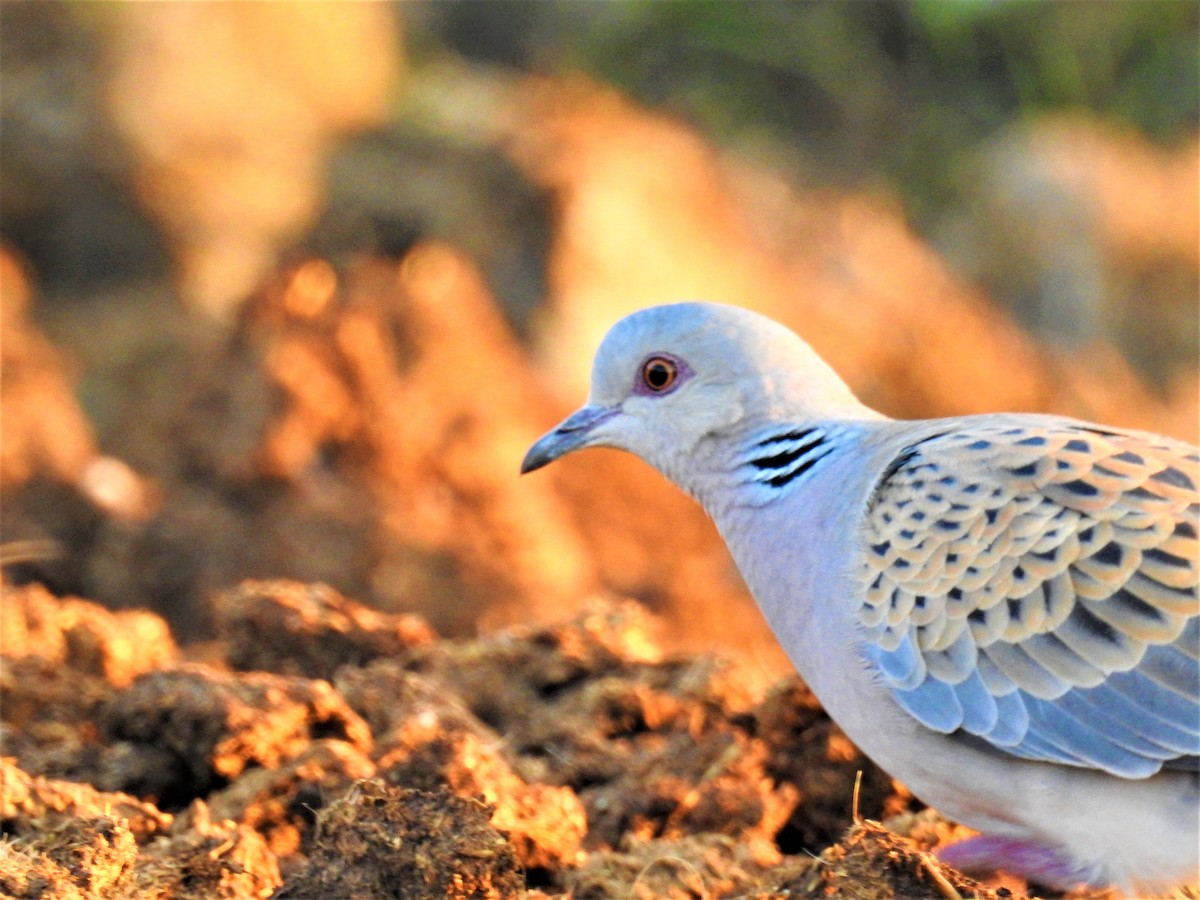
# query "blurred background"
(288, 288)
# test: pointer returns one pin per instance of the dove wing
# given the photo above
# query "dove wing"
(1033, 582)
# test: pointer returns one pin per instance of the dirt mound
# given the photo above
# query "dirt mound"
(575, 759)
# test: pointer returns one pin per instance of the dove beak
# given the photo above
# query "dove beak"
(574, 432)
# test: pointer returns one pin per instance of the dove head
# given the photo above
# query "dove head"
(668, 379)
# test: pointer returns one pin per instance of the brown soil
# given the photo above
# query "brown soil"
(572, 759)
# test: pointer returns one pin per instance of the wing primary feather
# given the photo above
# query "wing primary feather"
(1188, 641)
(1171, 668)
(1012, 720)
(1108, 702)
(1052, 723)
(1120, 733)
(980, 712)
(1155, 700)
(903, 666)
(934, 704)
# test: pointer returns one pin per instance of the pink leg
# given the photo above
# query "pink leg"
(1036, 862)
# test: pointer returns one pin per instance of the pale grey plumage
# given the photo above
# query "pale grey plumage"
(1001, 610)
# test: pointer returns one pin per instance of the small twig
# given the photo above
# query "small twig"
(854, 800)
(13, 552)
(669, 859)
(944, 887)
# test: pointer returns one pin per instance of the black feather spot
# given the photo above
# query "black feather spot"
(1026, 471)
(1167, 559)
(1136, 605)
(1142, 494)
(943, 525)
(1014, 609)
(991, 515)
(881, 549)
(1110, 554)
(778, 461)
(1100, 431)
(1035, 441)
(954, 593)
(1172, 476)
(917, 516)
(784, 477)
(785, 436)
(1130, 457)
(980, 444)
(978, 616)
(900, 461)
(1085, 534)
(786, 458)
(1077, 445)
(1081, 488)
(907, 534)
(1104, 470)
(951, 557)
(901, 563)
(1097, 628)
(1185, 529)
(1019, 572)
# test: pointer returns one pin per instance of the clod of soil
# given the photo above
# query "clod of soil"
(31, 804)
(114, 646)
(313, 629)
(77, 859)
(381, 841)
(205, 728)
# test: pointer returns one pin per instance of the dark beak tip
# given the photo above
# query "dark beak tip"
(573, 433)
(532, 465)
(537, 457)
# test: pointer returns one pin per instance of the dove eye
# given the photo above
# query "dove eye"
(659, 374)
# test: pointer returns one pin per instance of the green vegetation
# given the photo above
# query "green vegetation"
(899, 90)
(887, 91)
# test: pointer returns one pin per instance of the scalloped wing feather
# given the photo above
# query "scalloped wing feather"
(1034, 582)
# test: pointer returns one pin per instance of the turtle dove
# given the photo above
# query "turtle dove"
(1000, 610)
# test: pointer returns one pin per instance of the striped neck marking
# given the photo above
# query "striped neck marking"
(779, 459)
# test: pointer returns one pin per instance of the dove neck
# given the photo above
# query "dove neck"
(741, 473)
(786, 502)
